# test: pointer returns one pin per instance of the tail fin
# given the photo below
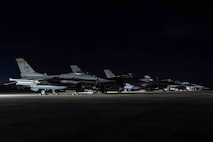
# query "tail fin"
(109, 74)
(75, 68)
(25, 69)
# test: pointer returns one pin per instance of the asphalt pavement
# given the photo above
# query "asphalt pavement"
(147, 117)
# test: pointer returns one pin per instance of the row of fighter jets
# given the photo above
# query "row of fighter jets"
(80, 81)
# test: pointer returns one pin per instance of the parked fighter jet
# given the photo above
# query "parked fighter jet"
(129, 79)
(36, 85)
(195, 87)
(125, 78)
(182, 86)
(109, 85)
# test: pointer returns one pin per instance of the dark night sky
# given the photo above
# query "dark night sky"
(161, 38)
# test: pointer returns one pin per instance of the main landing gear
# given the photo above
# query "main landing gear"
(43, 92)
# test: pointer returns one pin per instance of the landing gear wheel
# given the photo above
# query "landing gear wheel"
(43, 92)
(54, 93)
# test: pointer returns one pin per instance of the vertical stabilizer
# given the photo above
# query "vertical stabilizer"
(109, 74)
(75, 69)
(25, 69)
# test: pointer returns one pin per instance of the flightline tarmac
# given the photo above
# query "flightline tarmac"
(154, 116)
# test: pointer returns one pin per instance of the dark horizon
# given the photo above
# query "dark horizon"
(161, 39)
